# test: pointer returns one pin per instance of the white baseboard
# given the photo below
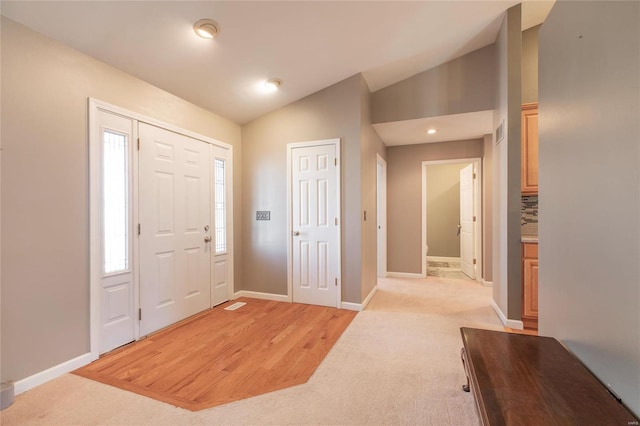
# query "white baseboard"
(486, 283)
(51, 373)
(443, 259)
(359, 307)
(403, 275)
(264, 296)
(515, 324)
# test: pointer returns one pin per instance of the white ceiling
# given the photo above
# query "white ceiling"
(457, 127)
(308, 44)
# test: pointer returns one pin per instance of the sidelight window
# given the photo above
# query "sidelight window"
(220, 207)
(115, 190)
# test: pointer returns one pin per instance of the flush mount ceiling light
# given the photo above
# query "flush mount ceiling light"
(272, 84)
(206, 28)
(431, 131)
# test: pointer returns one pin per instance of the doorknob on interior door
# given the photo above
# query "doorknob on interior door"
(295, 233)
(207, 239)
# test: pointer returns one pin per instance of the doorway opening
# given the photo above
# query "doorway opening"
(451, 219)
(381, 206)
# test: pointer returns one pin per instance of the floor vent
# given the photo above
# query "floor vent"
(235, 306)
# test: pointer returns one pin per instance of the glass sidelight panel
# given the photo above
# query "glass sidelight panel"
(115, 191)
(220, 207)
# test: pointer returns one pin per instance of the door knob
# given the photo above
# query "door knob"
(296, 233)
(207, 239)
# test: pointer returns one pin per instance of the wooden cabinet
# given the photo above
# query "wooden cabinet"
(530, 148)
(530, 285)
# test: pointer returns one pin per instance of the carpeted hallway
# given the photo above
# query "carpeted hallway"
(397, 363)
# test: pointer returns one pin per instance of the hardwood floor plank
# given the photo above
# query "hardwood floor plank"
(222, 356)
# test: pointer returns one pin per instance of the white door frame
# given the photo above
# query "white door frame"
(381, 203)
(477, 210)
(290, 147)
(95, 213)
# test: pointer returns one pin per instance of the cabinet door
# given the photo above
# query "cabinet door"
(530, 148)
(530, 307)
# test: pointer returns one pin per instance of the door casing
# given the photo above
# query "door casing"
(477, 209)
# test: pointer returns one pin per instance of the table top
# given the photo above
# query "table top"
(530, 380)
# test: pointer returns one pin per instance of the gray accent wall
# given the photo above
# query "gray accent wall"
(462, 85)
(507, 281)
(404, 197)
(589, 130)
(339, 111)
(45, 189)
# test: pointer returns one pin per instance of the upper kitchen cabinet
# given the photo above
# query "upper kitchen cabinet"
(530, 148)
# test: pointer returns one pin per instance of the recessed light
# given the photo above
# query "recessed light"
(431, 131)
(272, 84)
(206, 28)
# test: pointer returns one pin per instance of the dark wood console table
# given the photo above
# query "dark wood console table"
(518, 379)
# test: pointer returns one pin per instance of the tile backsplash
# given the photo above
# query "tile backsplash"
(529, 218)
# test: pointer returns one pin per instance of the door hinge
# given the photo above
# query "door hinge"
(474, 261)
(335, 161)
(336, 282)
(474, 175)
(138, 144)
(336, 221)
(474, 218)
(138, 229)
(140, 314)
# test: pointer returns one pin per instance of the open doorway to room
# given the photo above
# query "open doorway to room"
(451, 208)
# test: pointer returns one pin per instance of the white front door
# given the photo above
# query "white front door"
(466, 222)
(315, 236)
(175, 227)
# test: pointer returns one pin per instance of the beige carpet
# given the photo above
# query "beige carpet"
(397, 363)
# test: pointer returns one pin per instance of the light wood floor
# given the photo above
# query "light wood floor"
(222, 356)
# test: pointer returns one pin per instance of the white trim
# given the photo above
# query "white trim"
(52, 373)
(404, 275)
(487, 283)
(290, 147)
(515, 324)
(154, 122)
(443, 259)
(477, 209)
(359, 307)
(263, 296)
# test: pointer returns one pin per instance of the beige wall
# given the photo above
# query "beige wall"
(530, 65)
(462, 85)
(506, 168)
(404, 197)
(589, 292)
(443, 209)
(334, 112)
(45, 191)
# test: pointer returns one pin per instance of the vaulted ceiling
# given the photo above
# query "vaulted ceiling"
(309, 45)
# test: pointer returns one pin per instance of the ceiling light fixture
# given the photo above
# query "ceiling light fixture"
(272, 84)
(431, 131)
(206, 28)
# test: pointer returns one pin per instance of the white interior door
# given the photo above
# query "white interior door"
(466, 222)
(175, 221)
(117, 320)
(382, 216)
(315, 245)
